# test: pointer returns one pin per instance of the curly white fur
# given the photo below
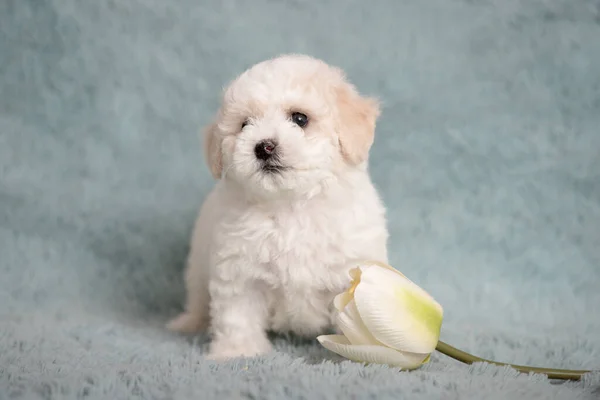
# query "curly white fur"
(270, 250)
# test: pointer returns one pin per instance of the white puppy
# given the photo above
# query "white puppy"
(294, 206)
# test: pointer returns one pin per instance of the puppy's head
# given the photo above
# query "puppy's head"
(289, 124)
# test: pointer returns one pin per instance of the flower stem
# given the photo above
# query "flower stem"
(459, 355)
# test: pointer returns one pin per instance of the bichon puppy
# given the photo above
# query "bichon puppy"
(292, 209)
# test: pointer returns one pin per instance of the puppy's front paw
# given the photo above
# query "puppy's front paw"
(187, 323)
(222, 349)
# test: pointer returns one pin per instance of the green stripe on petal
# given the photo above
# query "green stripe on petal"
(424, 308)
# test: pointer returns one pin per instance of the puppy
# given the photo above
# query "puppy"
(292, 209)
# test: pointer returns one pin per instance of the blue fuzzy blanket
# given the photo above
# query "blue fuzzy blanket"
(487, 156)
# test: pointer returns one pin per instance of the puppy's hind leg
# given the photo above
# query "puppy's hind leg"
(195, 317)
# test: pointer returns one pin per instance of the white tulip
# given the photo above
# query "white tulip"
(385, 319)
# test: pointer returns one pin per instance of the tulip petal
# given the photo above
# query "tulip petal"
(383, 265)
(352, 326)
(341, 300)
(371, 354)
(397, 312)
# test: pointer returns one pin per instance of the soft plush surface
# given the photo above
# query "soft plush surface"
(487, 155)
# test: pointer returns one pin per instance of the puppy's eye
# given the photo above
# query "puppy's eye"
(244, 124)
(299, 119)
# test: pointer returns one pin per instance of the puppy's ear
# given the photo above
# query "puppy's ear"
(212, 150)
(357, 117)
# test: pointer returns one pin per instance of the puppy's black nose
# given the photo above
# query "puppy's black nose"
(265, 149)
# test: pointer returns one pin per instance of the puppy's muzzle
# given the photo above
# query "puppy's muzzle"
(265, 149)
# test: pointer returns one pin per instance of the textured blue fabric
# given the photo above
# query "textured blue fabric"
(487, 156)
